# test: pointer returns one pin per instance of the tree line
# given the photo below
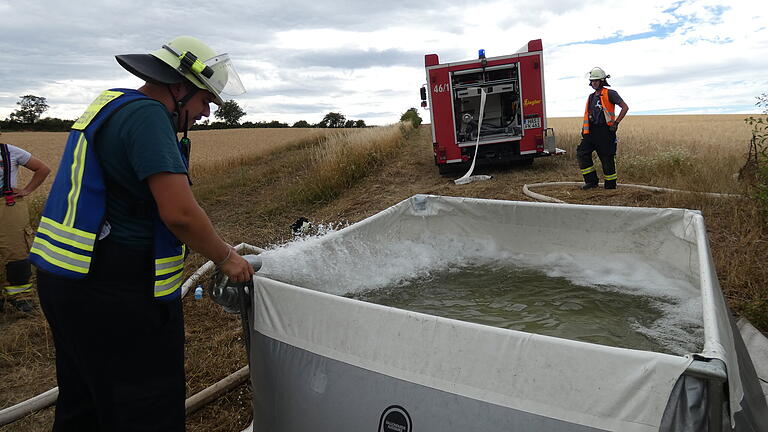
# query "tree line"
(27, 117)
(230, 113)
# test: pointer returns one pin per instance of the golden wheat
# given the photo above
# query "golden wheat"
(211, 150)
(347, 155)
(691, 152)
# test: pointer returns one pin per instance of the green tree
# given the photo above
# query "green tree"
(275, 124)
(332, 120)
(230, 113)
(31, 107)
(756, 169)
(412, 115)
(301, 124)
(360, 124)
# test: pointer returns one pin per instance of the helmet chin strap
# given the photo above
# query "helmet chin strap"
(186, 143)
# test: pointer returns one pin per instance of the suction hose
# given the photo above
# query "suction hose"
(192, 404)
(527, 191)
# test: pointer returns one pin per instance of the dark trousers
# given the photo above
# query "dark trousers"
(602, 140)
(119, 352)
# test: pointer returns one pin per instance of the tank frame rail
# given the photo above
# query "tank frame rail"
(714, 372)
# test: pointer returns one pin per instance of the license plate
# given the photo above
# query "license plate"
(532, 123)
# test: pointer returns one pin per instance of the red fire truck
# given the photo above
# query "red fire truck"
(514, 126)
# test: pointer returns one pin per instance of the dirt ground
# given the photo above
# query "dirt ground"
(255, 213)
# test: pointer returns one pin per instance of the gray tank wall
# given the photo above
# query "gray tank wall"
(295, 390)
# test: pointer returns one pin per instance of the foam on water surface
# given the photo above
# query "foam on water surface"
(621, 300)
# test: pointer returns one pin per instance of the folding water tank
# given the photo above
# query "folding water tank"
(321, 361)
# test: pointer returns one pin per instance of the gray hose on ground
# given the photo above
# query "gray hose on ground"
(197, 401)
(527, 190)
(48, 398)
(22, 409)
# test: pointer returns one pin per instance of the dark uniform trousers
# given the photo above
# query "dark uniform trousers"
(602, 140)
(119, 352)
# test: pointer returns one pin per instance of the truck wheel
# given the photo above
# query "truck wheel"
(444, 169)
(524, 162)
(452, 169)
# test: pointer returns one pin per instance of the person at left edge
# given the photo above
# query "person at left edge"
(14, 225)
(112, 241)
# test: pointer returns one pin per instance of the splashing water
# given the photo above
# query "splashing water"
(622, 300)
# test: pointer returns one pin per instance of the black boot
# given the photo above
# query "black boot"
(22, 305)
(590, 181)
(610, 184)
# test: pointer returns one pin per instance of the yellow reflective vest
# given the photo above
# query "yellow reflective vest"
(75, 211)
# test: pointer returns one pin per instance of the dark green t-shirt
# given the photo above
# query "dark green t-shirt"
(138, 141)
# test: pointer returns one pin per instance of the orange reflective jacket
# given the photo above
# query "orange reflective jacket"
(609, 109)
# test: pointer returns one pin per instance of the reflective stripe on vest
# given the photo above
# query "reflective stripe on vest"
(168, 272)
(76, 179)
(75, 210)
(609, 110)
(63, 246)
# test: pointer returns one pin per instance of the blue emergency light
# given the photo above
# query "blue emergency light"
(481, 54)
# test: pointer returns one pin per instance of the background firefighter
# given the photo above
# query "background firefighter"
(598, 132)
(14, 225)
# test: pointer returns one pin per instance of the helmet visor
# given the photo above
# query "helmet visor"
(225, 81)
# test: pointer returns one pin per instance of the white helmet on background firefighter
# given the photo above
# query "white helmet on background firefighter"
(186, 58)
(598, 74)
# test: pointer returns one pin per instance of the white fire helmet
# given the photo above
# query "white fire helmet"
(597, 74)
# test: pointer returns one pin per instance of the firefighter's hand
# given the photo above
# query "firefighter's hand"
(614, 127)
(236, 267)
(20, 193)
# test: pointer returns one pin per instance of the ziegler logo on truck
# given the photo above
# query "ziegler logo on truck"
(527, 102)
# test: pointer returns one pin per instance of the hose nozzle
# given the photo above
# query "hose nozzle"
(227, 294)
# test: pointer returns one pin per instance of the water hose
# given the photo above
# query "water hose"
(527, 191)
(199, 400)
(468, 177)
(192, 404)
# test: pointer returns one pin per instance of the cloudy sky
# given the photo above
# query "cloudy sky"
(365, 59)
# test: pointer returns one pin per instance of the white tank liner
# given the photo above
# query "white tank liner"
(584, 385)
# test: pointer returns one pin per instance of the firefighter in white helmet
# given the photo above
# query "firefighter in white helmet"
(113, 237)
(598, 131)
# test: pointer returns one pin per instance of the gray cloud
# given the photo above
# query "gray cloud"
(373, 114)
(354, 59)
(539, 12)
(311, 109)
(699, 71)
(48, 42)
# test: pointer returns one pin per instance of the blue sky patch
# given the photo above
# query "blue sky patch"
(657, 30)
(663, 30)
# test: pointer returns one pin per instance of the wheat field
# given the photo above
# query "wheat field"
(690, 152)
(211, 150)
